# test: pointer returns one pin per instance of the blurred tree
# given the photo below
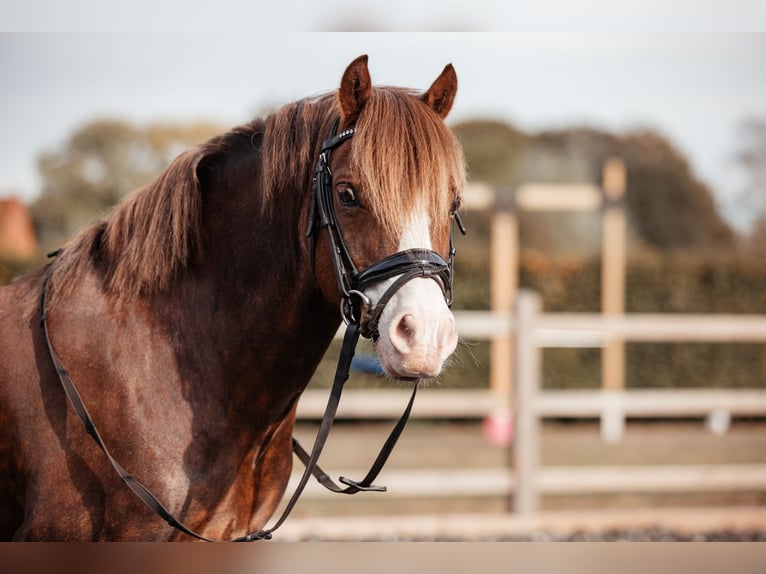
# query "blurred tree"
(752, 158)
(98, 165)
(493, 149)
(668, 207)
(757, 238)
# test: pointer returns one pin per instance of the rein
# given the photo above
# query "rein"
(355, 305)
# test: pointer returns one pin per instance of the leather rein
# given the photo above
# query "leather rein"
(361, 319)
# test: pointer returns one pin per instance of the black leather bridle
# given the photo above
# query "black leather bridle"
(352, 284)
(361, 319)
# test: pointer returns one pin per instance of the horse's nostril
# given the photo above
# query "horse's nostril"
(407, 326)
(403, 333)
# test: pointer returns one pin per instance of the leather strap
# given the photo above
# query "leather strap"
(366, 483)
(82, 412)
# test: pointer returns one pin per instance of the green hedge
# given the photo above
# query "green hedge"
(678, 283)
(674, 283)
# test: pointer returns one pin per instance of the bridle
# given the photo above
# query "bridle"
(352, 284)
(358, 313)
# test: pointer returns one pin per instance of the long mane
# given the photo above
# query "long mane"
(403, 153)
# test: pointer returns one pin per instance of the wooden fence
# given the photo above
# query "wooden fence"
(531, 404)
(518, 332)
(525, 479)
(608, 198)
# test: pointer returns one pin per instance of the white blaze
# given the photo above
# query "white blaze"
(416, 231)
(417, 329)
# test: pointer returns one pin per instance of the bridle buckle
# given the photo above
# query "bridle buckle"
(354, 313)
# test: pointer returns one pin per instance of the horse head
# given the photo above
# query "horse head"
(387, 188)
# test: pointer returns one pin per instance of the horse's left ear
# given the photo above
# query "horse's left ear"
(441, 95)
(355, 88)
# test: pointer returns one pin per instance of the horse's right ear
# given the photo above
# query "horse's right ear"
(441, 95)
(355, 89)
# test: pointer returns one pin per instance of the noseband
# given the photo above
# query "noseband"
(406, 265)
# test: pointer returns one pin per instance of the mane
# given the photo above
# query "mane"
(403, 154)
(150, 236)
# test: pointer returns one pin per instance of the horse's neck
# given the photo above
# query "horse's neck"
(254, 309)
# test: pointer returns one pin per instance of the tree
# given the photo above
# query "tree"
(98, 165)
(493, 150)
(668, 207)
(752, 158)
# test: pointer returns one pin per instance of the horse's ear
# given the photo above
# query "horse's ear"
(441, 95)
(355, 89)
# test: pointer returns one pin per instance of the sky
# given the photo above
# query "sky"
(694, 81)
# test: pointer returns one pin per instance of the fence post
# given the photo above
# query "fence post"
(613, 296)
(526, 444)
(504, 252)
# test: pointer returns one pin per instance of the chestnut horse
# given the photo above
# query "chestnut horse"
(193, 316)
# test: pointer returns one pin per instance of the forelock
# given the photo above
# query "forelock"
(405, 155)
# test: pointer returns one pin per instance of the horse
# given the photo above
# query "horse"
(192, 317)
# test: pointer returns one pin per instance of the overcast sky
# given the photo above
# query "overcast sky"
(695, 87)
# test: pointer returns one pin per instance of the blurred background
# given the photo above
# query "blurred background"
(88, 117)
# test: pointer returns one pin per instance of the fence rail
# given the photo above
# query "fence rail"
(476, 404)
(498, 482)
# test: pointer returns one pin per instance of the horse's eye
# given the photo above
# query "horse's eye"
(347, 196)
